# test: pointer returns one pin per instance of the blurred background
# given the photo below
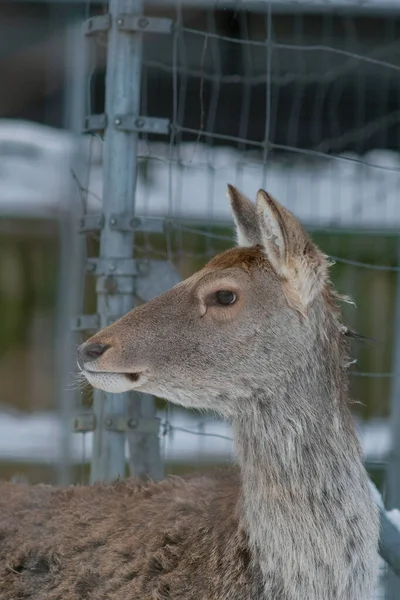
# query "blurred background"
(301, 97)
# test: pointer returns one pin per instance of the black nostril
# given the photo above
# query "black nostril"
(94, 350)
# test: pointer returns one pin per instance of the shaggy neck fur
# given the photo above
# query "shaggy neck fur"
(303, 484)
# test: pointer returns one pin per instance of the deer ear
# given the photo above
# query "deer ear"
(245, 216)
(290, 250)
(274, 233)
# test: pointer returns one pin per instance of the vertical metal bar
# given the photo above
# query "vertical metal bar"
(75, 75)
(144, 448)
(124, 57)
(393, 474)
(389, 547)
(71, 267)
(389, 543)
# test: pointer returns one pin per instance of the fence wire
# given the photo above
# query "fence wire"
(301, 98)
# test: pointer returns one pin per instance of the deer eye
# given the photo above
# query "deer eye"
(225, 297)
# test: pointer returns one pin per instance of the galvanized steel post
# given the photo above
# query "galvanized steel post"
(115, 269)
(71, 269)
(393, 581)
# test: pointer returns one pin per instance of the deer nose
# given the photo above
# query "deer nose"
(89, 352)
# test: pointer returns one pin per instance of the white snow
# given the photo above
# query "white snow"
(35, 437)
(35, 166)
(344, 191)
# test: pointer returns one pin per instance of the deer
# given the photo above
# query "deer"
(257, 338)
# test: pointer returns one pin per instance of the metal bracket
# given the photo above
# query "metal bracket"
(85, 323)
(84, 423)
(95, 123)
(129, 223)
(142, 124)
(95, 222)
(128, 22)
(91, 222)
(125, 424)
(125, 267)
(98, 123)
(97, 24)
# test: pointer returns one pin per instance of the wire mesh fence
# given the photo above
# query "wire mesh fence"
(302, 99)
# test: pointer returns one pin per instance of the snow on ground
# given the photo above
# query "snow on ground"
(36, 438)
(348, 191)
(35, 163)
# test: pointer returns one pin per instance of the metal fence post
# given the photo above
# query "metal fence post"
(71, 268)
(393, 581)
(115, 269)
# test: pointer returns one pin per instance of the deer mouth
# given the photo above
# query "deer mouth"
(132, 376)
(114, 382)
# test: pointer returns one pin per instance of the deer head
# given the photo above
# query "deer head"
(253, 318)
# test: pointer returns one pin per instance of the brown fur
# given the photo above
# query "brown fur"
(96, 542)
(240, 258)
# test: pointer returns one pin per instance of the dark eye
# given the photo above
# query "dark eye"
(225, 297)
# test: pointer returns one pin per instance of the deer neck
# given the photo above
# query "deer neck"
(301, 479)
